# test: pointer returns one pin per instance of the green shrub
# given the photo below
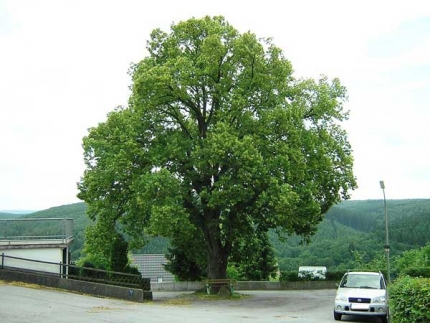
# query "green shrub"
(417, 272)
(289, 276)
(410, 300)
(233, 273)
(335, 275)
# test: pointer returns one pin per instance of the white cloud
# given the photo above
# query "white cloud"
(63, 67)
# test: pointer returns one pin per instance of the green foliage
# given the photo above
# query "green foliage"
(129, 277)
(253, 258)
(292, 276)
(107, 251)
(333, 246)
(416, 258)
(352, 237)
(334, 275)
(4, 215)
(155, 245)
(218, 136)
(184, 268)
(233, 273)
(418, 272)
(186, 258)
(410, 300)
(97, 248)
(119, 254)
(336, 246)
(87, 270)
(409, 220)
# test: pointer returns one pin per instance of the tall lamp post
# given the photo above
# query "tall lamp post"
(387, 245)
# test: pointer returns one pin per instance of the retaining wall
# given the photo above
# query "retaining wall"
(248, 285)
(126, 293)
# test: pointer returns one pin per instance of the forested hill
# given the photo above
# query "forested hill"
(354, 231)
(361, 215)
(4, 215)
(408, 220)
(350, 229)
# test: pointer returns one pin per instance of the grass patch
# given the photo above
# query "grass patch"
(178, 301)
(99, 309)
(201, 296)
(22, 284)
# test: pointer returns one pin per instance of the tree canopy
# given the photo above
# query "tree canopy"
(219, 141)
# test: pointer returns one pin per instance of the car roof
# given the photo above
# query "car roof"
(363, 273)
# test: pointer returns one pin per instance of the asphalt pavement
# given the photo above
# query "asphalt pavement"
(20, 304)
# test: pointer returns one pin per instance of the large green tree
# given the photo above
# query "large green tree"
(219, 137)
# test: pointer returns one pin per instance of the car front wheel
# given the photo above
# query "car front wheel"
(337, 316)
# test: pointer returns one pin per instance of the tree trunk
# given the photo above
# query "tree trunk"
(217, 250)
(217, 269)
(217, 262)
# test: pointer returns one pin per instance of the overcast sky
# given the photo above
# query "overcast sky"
(63, 67)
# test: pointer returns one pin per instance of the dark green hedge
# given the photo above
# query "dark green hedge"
(410, 300)
(130, 278)
(289, 276)
(334, 275)
(423, 272)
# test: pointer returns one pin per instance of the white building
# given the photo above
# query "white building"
(40, 244)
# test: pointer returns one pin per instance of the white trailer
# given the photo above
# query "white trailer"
(317, 272)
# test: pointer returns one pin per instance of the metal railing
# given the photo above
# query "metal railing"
(19, 263)
(36, 229)
(70, 271)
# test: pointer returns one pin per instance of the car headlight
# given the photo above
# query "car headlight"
(379, 299)
(341, 298)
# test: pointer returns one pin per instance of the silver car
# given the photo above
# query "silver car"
(362, 293)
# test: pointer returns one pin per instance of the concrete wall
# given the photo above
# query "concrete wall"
(126, 293)
(299, 285)
(54, 255)
(248, 285)
(177, 286)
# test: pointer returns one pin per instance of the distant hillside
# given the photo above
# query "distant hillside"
(350, 229)
(9, 215)
(362, 215)
(16, 212)
(331, 246)
(408, 220)
(74, 211)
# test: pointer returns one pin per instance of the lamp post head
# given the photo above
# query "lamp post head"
(382, 184)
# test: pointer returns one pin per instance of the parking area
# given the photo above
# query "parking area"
(22, 305)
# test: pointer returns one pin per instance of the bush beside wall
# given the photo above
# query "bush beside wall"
(423, 272)
(410, 300)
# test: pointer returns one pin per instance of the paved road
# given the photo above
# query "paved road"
(23, 305)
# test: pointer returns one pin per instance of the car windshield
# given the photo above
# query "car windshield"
(362, 281)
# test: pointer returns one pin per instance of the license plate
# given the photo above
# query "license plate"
(359, 306)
